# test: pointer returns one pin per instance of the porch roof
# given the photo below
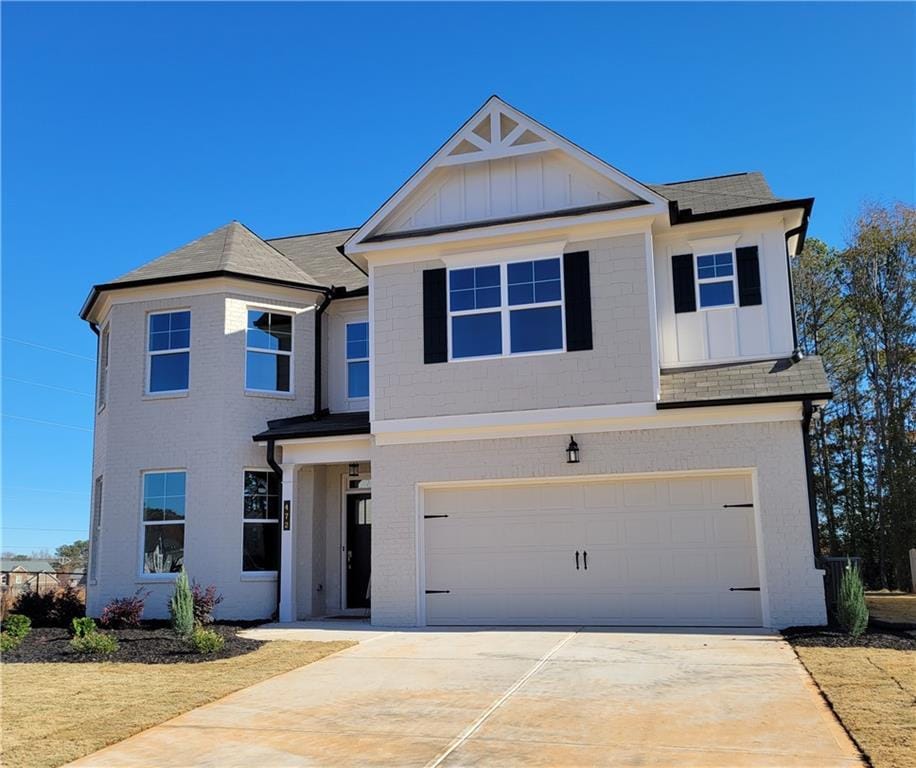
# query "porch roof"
(322, 424)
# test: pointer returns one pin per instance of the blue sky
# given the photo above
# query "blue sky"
(129, 130)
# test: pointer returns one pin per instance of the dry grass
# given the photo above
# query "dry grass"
(55, 713)
(895, 607)
(873, 691)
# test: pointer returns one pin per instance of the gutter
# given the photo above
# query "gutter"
(807, 414)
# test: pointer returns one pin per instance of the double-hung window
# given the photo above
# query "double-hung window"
(716, 280)
(506, 309)
(268, 351)
(163, 522)
(357, 360)
(104, 342)
(260, 522)
(169, 351)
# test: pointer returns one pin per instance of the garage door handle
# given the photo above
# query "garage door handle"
(577, 559)
(744, 589)
(585, 559)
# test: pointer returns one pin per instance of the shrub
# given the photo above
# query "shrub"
(54, 608)
(18, 626)
(80, 627)
(37, 606)
(205, 600)
(206, 640)
(851, 610)
(95, 644)
(9, 642)
(68, 605)
(181, 606)
(124, 612)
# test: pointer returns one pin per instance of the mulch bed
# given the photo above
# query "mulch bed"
(831, 637)
(152, 643)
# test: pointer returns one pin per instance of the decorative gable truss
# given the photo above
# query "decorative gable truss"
(502, 166)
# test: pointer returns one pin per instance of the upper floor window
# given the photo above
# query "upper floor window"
(506, 309)
(104, 341)
(357, 360)
(268, 351)
(169, 351)
(260, 522)
(716, 280)
(163, 521)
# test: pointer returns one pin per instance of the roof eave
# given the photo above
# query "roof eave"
(787, 398)
(97, 290)
(686, 216)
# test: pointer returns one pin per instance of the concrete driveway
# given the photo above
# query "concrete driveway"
(531, 697)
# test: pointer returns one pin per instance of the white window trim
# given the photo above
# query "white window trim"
(105, 365)
(291, 392)
(706, 280)
(504, 310)
(254, 575)
(347, 362)
(142, 575)
(150, 353)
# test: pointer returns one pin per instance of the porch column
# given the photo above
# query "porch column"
(287, 574)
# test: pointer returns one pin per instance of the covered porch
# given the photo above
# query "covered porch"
(326, 518)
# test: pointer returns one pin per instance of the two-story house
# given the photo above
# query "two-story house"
(529, 389)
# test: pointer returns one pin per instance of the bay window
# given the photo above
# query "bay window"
(260, 522)
(163, 522)
(168, 352)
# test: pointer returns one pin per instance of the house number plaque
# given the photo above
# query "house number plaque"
(286, 515)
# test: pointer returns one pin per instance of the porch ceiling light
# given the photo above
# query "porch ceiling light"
(572, 451)
(354, 470)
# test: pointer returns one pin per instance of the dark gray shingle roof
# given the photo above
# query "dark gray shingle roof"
(322, 425)
(318, 255)
(768, 379)
(231, 248)
(719, 193)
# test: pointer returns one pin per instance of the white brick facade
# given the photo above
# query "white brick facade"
(793, 588)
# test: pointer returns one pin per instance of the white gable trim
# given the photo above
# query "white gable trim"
(501, 147)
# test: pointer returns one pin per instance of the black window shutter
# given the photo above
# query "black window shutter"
(578, 301)
(435, 319)
(748, 268)
(685, 297)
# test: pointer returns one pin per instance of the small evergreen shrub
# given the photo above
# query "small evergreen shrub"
(124, 612)
(205, 601)
(851, 610)
(95, 644)
(69, 604)
(37, 606)
(9, 642)
(17, 626)
(181, 606)
(80, 627)
(207, 640)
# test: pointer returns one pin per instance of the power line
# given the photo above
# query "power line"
(56, 530)
(46, 423)
(44, 490)
(48, 386)
(48, 349)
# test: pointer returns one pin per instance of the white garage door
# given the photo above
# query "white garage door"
(628, 552)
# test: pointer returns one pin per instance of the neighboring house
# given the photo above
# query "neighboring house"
(41, 575)
(529, 389)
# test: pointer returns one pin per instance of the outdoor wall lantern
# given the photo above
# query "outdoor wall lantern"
(572, 451)
(354, 470)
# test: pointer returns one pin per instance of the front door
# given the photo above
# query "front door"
(359, 541)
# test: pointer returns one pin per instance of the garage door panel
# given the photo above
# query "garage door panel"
(660, 552)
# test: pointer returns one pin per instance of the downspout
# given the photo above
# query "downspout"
(328, 296)
(278, 471)
(807, 414)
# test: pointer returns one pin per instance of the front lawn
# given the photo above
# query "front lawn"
(871, 687)
(56, 712)
(892, 607)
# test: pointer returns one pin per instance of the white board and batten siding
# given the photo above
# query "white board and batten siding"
(731, 333)
(660, 552)
(511, 186)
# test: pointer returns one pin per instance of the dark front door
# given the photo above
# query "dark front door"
(359, 541)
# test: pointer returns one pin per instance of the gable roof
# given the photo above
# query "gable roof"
(318, 254)
(483, 137)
